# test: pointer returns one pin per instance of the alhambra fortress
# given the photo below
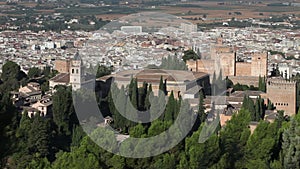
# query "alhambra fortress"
(224, 58)
(282, 93)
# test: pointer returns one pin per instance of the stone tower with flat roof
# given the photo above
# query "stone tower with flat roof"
(283, 94)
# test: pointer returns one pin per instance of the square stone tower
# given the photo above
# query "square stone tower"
(76, 72)
(283, 95)
(259, 63)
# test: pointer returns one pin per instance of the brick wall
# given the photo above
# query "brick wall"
(243, 69)
(62, 66)
(259, 64)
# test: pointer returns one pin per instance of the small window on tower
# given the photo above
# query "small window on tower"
(72, 70)
(77, 71)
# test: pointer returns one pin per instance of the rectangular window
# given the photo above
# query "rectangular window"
(77, 71)
(72, 70)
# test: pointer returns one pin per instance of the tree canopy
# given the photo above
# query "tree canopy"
(190, 54)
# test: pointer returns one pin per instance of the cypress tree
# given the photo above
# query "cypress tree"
(130, 87)
(201, 108)
(270, 105)
(248, 104)
(256, 116)
(259, 83)
(142, 92)
(264, 84)
(165, 87)
(134, 95)
(245, 102)
(214, 81)
(147, 101)
(169, 113)
(161, 84)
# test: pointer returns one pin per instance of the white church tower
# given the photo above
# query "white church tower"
(76, 72)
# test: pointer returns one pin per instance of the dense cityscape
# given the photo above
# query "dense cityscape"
(149, 84)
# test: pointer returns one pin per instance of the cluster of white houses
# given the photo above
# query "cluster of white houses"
(30, 99)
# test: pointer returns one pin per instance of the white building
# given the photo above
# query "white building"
(132, 29)
(285, 70)
(188, 28)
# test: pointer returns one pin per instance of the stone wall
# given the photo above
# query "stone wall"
(62, 66)
(246, 80)
(227, 63)
(259, 64)
(243, 69)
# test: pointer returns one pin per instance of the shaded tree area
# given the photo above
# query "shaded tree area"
(172, 63)
(257, 108)
(37, 139)
(34, 72)
(8, 126)
(290, 144)
(275, 71)
(233, 140)
(12, 77)
(242, 87)
(103, 70)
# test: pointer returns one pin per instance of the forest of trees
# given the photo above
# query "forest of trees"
(59, 142)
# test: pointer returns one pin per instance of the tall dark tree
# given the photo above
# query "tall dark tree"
(8, 126)
(270, 105)
(170, 109)
(38, 140)
(165, 87)
(147, 101)
(201, 108)
(103, 71)
(234, 138)
(11, 76)
(34, 72)
(162, 85)
(134, 95)
(63, 110)
(142, 93)
(262, 143)
(11, 70)
(290, 144)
